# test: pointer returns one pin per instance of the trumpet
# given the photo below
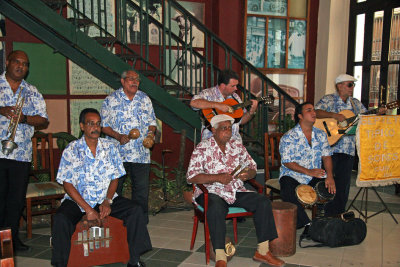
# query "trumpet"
(9, 145)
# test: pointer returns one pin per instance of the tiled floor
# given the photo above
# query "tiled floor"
(171, 232)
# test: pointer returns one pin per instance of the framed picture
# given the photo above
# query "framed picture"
(82, 82)
(181, 26)
(297, 44)
(134, 25)
(76, 106)
(2, 57)
(267, 7)
(276, 43)
(255, 41)
(2, 26)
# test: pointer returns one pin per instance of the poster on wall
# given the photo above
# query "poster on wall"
(2, 57)
(185, 68)
(82, 82)
(297, 44)
(276, 43)
(183, 28)
(267, 7)
(90, 8)
(255, 41)
(76, 106)
(134, 22)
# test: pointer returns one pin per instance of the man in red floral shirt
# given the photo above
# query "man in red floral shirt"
(212, 164)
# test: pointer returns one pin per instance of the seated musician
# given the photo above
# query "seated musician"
(303, 149)
(212, 164)
(89, 171)
(212, 98)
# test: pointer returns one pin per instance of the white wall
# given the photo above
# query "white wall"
(331, 56)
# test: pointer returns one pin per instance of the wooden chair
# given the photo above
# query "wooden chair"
(7, 257)
(200, 214)
(42, 193)
(272, 160)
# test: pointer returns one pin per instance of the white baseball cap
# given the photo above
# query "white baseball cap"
(220, 118)
(345, 78)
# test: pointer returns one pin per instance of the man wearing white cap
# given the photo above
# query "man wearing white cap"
(213, 164)
(344, 150)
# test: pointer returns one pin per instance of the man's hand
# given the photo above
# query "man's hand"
(8, 112)
(244, 175)
(339, 117)
(319, 173)
(123, 139)
(93, 216)
(224, 178)
(224, 107)
(381, 110)
(105, 209)
(330, 184)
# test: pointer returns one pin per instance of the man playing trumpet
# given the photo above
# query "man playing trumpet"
(127, 109)
(15, 163)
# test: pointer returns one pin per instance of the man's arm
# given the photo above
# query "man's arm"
(74, 194)
(121, 138)
(105, 207)
(202, 178)
(37, 121)
(326, 114)
(205, 104)
(329, 182)
(248, 115)
(319, 173)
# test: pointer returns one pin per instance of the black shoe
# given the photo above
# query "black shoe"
(305, 234)
(139, 264)
(19, 246)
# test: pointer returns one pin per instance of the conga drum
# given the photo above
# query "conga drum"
(306, 195)
(285, 215)
(322, 193)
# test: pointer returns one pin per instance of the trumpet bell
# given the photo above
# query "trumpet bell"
(8, 146)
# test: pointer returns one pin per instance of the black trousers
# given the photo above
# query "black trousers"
(342, 167)
(13, 184)
(288, 194)
(260, 205)
(69, 214)
(139, 173)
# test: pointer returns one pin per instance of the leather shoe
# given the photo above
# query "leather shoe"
(19, 246)
(268, 259)
(138, 264)
(220, 263)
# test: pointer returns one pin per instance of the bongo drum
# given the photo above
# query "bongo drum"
(323, 194)
(306, 195)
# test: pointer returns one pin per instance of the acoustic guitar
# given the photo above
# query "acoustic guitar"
(335, 129)
(237, 108)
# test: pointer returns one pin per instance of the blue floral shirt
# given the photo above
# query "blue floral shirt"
(334, 103)
(294, 147)
(123, 115)
(214, 94)
(91, 176)
(33, 105)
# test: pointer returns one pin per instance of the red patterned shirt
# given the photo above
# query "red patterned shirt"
(207, 158)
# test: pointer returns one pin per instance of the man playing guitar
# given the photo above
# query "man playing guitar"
(212, 98)
(344, 150)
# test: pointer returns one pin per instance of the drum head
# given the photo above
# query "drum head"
(323, 193)
(306, 195)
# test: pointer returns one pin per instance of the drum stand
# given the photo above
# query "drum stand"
(365, 215)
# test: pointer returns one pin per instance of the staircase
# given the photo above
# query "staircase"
(172, 64)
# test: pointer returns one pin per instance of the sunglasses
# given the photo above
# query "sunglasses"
(349, 85)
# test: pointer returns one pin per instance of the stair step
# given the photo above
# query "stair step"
(150, 73)
(81, 22)
(129, 56)
(109, 40)
(55, 4)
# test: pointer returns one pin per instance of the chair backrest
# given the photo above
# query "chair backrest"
(272, 158)
(42, 155)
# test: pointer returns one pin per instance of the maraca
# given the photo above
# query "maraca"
(134, 134)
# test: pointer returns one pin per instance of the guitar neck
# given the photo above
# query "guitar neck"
(249, 102)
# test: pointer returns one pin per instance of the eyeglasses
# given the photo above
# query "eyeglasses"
(225, 128)
(350, 85)
(92, 123)
(132, 79)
